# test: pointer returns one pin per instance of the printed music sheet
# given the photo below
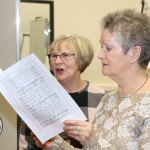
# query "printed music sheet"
(38, 98)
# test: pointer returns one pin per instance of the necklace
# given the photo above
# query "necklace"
(139, 86)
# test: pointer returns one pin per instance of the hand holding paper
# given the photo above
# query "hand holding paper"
(38, 98)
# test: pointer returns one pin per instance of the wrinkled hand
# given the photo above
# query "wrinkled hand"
(47, 144)
(82, 131)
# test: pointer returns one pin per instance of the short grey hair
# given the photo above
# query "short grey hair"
(132, 29)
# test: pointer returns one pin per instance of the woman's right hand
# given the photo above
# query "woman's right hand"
(38, 143)
(81, 131)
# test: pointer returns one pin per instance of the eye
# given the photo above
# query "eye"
(53, 55)
(108, 48)
(65, 55)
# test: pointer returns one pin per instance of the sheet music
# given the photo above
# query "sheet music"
(38, 98)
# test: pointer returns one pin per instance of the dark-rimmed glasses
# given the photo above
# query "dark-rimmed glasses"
(63, 56)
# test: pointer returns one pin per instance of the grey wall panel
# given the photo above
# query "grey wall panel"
(8, 55)
(8, 33)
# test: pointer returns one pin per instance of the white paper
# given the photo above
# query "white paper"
(1, 70)
(38, 98)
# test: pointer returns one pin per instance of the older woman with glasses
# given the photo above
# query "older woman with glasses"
(69, 56)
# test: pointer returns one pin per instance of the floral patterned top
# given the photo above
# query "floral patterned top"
(122, 123)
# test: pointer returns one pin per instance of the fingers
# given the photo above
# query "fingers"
(75, 122)
(79, 130)
(38, 143)
(36, 140)
(47, 144)
(73, 132)
(75, 125)
(79, 135)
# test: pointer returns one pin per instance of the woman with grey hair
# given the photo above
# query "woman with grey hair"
(122, 120)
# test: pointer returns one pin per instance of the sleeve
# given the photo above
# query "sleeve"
(61, 144)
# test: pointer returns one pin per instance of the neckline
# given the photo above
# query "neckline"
(84, 89)
(129, 95)
(139, 86)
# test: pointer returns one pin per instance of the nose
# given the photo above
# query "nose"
(58, 59)
(101, 54)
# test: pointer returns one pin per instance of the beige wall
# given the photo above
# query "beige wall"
(83, 17)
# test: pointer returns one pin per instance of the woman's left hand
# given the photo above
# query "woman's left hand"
(47, 144)
(80, 130)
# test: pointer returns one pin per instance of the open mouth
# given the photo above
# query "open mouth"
(104, 64)
(59, 70)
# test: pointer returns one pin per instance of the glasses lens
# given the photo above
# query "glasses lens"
(63, 56)
(52, 56)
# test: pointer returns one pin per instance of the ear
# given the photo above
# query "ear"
(136, 52)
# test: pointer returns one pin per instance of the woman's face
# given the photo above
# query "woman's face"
(114, 61)
(65, 70)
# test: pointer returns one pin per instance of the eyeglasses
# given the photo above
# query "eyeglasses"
(63, 56)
